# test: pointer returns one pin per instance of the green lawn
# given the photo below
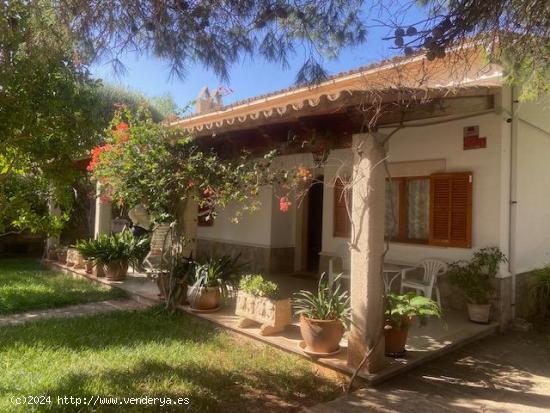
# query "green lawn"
(25, 285)
(149, 353)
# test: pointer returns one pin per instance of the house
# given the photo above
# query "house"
(467, 167)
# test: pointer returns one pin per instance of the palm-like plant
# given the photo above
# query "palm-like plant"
(115, 247)
(401, 308)
(329, 302)
(216, 271)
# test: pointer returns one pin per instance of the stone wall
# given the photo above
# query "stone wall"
(256, 258)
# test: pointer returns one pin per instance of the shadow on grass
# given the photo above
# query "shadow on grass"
(209, 389)
(149, 353)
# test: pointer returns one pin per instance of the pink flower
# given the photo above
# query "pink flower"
(284, 204)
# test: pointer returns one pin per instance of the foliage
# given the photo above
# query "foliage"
(475, 277)
(216, 271)
(25, 285)
(255, 284)
(142, 162)
(48, 114)
(399, 309)
(539, 292)
(327, 303)
(215, 36)
(515, 33)
(114, 247)
(152, 353)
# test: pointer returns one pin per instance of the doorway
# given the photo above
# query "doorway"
(314, 232)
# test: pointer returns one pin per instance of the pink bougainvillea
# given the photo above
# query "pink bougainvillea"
(284, 204)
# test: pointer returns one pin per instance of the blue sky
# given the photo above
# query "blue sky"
(249, 78)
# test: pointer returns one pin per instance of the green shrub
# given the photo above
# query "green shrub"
(539, 292)
(216, 271)
(114, 247)
(401, 308)
(475, 277)
(255, 284)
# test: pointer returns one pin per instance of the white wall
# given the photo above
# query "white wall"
(532, 186)
(266, 227)
(442, 141)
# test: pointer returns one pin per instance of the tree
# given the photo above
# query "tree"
(216, 33)
(51, 114)
(514, 33)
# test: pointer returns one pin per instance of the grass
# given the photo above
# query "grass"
(151, 353)
(25, 285)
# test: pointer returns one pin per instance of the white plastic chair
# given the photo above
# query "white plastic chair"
(432, 268)
(342, 254)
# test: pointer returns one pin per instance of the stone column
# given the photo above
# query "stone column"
(103, 214)
(368, 204)
(53, 241)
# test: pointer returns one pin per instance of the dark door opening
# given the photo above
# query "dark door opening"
(314, 225)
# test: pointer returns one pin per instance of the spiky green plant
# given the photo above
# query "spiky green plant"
(329, 302)
(217, 271)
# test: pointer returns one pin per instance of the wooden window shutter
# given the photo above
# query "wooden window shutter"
(451, 209)
(341, 224)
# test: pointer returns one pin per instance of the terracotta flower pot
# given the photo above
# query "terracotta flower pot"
(116, 270)
(89, 266)
(205, 298)
(321, 336)
(396, 338)
(479, 313)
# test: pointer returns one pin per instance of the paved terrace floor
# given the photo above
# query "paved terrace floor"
(425, 343)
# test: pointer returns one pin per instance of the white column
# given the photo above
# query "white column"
(53, 241)
(368, 206)
(103, 214)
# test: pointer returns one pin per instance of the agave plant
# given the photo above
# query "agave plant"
(329, 302)
(115, 247)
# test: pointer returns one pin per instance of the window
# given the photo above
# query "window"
(435, 210)
(342, 224)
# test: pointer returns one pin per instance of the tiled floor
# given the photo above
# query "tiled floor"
(425, 343)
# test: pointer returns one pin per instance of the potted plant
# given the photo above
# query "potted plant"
(323, 315)
(114, 252)
(258, 301)
(211, 280)
(399, 312)
(475, 277)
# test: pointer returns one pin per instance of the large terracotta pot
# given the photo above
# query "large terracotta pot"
(204, 298)
(116, 270)
(321, 336)
(479, 313)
